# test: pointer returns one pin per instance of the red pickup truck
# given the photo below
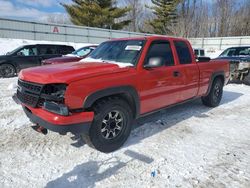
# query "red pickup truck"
(122, 80)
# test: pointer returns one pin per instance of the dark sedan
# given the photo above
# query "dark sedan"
(30, 56)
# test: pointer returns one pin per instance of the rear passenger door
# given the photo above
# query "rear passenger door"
(187, 70)
(64, 50)
(47, 52)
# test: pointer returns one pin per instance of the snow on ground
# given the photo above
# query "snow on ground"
(185, 146)
(15, 43)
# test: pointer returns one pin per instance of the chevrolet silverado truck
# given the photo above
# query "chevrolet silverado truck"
(122, 80)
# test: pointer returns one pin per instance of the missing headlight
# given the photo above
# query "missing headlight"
(54, 92)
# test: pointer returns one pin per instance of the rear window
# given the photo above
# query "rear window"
(183, 52)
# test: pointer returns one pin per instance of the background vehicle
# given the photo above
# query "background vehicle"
(199, 52)
(73, 57)
(239, 58)
(30, 56)
(121, 80)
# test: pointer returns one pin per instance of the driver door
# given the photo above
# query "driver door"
(27, 57)
(159, 85)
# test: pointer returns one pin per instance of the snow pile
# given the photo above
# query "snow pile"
(120, 64)
(185, 146)
(7, 45)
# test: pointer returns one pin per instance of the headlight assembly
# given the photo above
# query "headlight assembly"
(54, 92)
(244, 65)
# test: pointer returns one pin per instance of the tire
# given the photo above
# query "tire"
(7, 71)
(111, 125)
(247, 79)
(214, 97)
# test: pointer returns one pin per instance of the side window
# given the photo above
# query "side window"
(244, 52)
(202, 53)
(84, 51)
(161, 49)
(27, 51)
(183, 52)
(196, 52)
(47, 50)
(231, 52)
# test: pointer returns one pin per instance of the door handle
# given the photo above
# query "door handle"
(176, 73)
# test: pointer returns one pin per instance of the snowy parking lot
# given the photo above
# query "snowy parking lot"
(185, 146)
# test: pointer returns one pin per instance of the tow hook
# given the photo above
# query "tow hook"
(40, 129)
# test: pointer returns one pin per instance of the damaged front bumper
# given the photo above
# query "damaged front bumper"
(75, 122)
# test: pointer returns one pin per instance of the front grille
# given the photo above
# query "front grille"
(29, 93)
(27, 99)
(30, 86)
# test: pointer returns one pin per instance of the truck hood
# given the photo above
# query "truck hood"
(66, 73)
(63, 59)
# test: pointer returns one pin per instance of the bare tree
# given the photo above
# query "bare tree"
(136, 14)
(212, 18)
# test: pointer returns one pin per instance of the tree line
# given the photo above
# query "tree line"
(186, 18)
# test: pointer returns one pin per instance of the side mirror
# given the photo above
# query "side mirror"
(203, 59)
(154, 62)
(20, 54)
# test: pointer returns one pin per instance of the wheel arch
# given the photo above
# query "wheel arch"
(16, 67)
(128, 93)
(215, 75)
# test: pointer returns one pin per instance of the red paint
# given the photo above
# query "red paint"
(157, 88)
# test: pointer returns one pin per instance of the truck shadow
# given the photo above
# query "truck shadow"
(152, 124)
(90, 173)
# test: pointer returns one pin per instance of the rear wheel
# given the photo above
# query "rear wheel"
(111, 125)
(7, 71)
(214, 97)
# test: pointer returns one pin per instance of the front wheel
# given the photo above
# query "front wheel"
(111, 125)
(214, 97)
(7, 71)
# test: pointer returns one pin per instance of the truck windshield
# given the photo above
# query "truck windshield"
(122, 51)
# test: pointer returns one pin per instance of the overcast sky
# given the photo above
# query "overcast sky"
(31, 9)
(37, 10)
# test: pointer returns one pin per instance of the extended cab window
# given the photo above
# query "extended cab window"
(163, 50)
(183, 52)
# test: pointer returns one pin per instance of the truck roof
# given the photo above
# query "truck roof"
(150, 37)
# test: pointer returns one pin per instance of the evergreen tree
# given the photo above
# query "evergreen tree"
(165, 15)
(97, 13)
